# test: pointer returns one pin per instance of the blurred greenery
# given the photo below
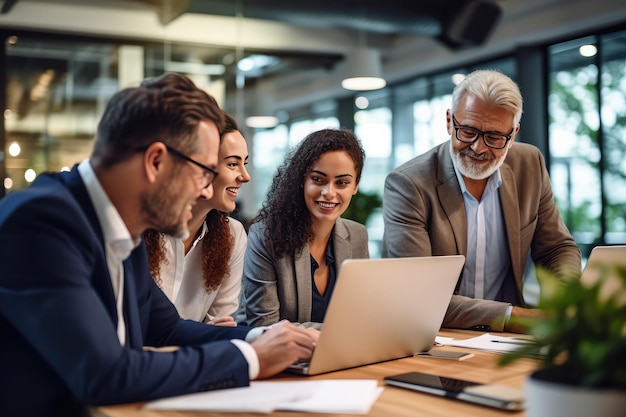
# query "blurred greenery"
(574, 105)
(582, 338)
(362, 206)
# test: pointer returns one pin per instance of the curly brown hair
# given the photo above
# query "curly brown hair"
(217, 244)
(155, 245)
(284, 211)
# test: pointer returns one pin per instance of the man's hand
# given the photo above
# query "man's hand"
(282, 345)
(223, 321)
(518, 317)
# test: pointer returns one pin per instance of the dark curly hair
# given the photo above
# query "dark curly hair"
(217, 244)
(284, 212)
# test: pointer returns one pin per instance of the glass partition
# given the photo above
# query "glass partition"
(587, 110)
(55, 93)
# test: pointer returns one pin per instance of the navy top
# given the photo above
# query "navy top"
(320, 302)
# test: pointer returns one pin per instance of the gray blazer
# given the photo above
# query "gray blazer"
(280, 289)
(424, 214)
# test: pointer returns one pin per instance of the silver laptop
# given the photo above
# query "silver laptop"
(604, 256)
(383, 309)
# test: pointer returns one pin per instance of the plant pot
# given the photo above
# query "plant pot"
(545, 398)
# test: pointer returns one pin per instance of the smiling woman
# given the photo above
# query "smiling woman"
(299, 239)
(201, 275)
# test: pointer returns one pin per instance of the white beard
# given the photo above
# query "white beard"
(469, 170)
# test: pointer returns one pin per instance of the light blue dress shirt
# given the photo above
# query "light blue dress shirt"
(488, 262)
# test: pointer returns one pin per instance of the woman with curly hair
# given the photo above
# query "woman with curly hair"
(201, 275)
(298, 241)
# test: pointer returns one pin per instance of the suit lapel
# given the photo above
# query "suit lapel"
(511, 213)
(104, 286)
(131, 314)
(343, 248)
(75, 184)
(304, 288)
(134, 337)
(451, 199)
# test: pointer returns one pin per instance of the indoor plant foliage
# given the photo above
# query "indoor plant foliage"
(362, 206)
(581, 341)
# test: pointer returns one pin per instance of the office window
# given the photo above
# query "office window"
(270, 146)
(430, 122)
(300, 129)
(57, 88)
(373, 128)
(587, 136)
(613, 122)
(55, 93)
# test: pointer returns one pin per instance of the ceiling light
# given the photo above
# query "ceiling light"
(458, 78)
(588, 50)
(361, 102)
(255, 65)
(364, 70)
(30, 175)
(14, 149)
(195, 68)
(261, 122)
(262, 113)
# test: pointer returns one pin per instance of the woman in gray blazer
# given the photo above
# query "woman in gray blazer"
(298, 241)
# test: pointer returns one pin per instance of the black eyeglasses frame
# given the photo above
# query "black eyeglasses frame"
(212, 174)
(480, 133)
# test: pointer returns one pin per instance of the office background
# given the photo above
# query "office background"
(64, 59)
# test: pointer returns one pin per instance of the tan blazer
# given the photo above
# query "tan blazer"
(277, 289)
(424, 214)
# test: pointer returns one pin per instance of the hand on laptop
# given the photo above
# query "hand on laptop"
(282, 345)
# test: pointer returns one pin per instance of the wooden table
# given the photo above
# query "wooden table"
(393, 402)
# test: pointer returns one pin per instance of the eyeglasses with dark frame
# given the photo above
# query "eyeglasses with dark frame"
(209, 173)
(468, 134)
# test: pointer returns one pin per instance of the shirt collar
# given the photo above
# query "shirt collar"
(329, 254)
(203, 231)
(116, 234)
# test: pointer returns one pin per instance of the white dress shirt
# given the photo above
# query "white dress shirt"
(183, 283)
(119, 244)
(488, 260)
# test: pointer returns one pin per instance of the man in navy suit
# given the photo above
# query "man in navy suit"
(81, 320)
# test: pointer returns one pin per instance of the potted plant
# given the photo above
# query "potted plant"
(362, 206)
(580, 345)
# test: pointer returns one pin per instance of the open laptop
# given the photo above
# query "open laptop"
(604, 256)
(383, 309)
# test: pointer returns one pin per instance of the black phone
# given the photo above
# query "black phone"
(491, 395)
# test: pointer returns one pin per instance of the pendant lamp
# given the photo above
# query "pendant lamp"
(364, 70)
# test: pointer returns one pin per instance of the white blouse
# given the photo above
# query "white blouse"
(182, 281)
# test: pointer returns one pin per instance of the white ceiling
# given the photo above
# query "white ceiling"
(523, 22)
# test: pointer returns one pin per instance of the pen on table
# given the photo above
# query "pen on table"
(513, 342)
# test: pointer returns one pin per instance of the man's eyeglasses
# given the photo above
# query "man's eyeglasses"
(209, 173)
(468, 134)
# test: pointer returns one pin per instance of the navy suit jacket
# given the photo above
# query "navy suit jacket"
(59, 350)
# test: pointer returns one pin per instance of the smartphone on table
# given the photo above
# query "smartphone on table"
(491, 395)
